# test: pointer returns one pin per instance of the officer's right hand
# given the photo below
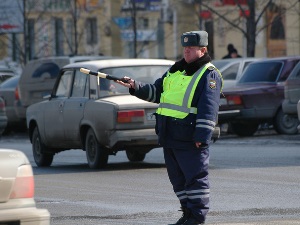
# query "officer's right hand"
(128, 84)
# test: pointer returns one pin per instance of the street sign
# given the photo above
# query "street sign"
(11, 16)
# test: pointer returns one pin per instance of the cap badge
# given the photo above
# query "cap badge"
(185, 39)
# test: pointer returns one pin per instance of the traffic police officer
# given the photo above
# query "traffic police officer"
(188, 95)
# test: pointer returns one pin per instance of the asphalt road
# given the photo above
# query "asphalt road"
(253, 181)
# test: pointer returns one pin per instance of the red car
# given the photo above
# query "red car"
(257, 98)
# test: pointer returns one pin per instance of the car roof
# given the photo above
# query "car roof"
(283, 58)
(76, 58)
(108, 63)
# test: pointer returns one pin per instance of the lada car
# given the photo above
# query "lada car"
(94, 114)
(257, 98)
(17, 204)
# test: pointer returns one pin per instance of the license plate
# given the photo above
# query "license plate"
(150, 116)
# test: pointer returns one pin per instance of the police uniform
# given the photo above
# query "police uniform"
(188, 96)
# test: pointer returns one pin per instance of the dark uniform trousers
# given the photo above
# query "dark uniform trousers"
(188, 173)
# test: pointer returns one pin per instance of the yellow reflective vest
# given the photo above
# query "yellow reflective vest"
(178, 94)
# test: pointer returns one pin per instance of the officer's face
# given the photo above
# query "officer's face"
(192, 53)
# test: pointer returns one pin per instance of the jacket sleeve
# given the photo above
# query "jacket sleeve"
(207, 103)
(148, 92)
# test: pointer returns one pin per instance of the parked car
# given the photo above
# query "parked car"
(9, 92)
(232, 69)
(3, 117)
(257, 98)
(17, 204)
(5, 73)
(292, 92)
(39, 75)
(95, 114)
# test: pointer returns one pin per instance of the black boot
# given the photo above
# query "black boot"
(185, 215)
(192, 221)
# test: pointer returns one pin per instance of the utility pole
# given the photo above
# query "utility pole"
(199, 15)
(133, 18)
(25, 55)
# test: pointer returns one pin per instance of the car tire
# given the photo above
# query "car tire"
(243, 129)
(135, 155)
(97, 156)
(285, 124)
(41, 158)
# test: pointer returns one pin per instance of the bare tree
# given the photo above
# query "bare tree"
(248, 13)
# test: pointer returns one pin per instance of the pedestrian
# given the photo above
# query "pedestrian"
(232, 52)
(188, 95)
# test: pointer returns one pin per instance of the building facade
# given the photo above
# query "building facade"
(149, 28)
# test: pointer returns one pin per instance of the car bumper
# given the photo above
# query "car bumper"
(28, 216)
(133, 137)
(289, 108)
(225, 116)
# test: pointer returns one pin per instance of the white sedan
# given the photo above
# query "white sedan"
(17, 204)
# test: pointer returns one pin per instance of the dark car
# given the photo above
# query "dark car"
(9, 92)
(96, 115)
(292, 92)
(257, 98)
(3, 117)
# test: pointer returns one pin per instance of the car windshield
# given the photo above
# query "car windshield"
(261, 72)
(145, 74)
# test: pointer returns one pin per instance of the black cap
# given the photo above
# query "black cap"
(194, 38)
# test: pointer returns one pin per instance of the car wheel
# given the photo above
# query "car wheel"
(285, 124)
(41, 158)
(243, 129)
(97, 156)
(135, 155)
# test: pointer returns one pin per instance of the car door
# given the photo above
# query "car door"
(54, 119)
(73, 109)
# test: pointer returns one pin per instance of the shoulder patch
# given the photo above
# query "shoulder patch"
(212, 84)
(211, 68)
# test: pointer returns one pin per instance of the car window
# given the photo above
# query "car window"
(246, 64)
(64, 85)
(296, 71)
(261, 72)
(145, 74)
(231, 72)
(290, 65)
(12, 82)
(80, 85)
(4, 77)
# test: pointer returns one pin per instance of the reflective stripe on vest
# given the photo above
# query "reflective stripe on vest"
(181, 109)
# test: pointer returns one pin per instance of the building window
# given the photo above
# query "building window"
(91, 26)
(59, 36)
(70, 36)
(31, 41)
